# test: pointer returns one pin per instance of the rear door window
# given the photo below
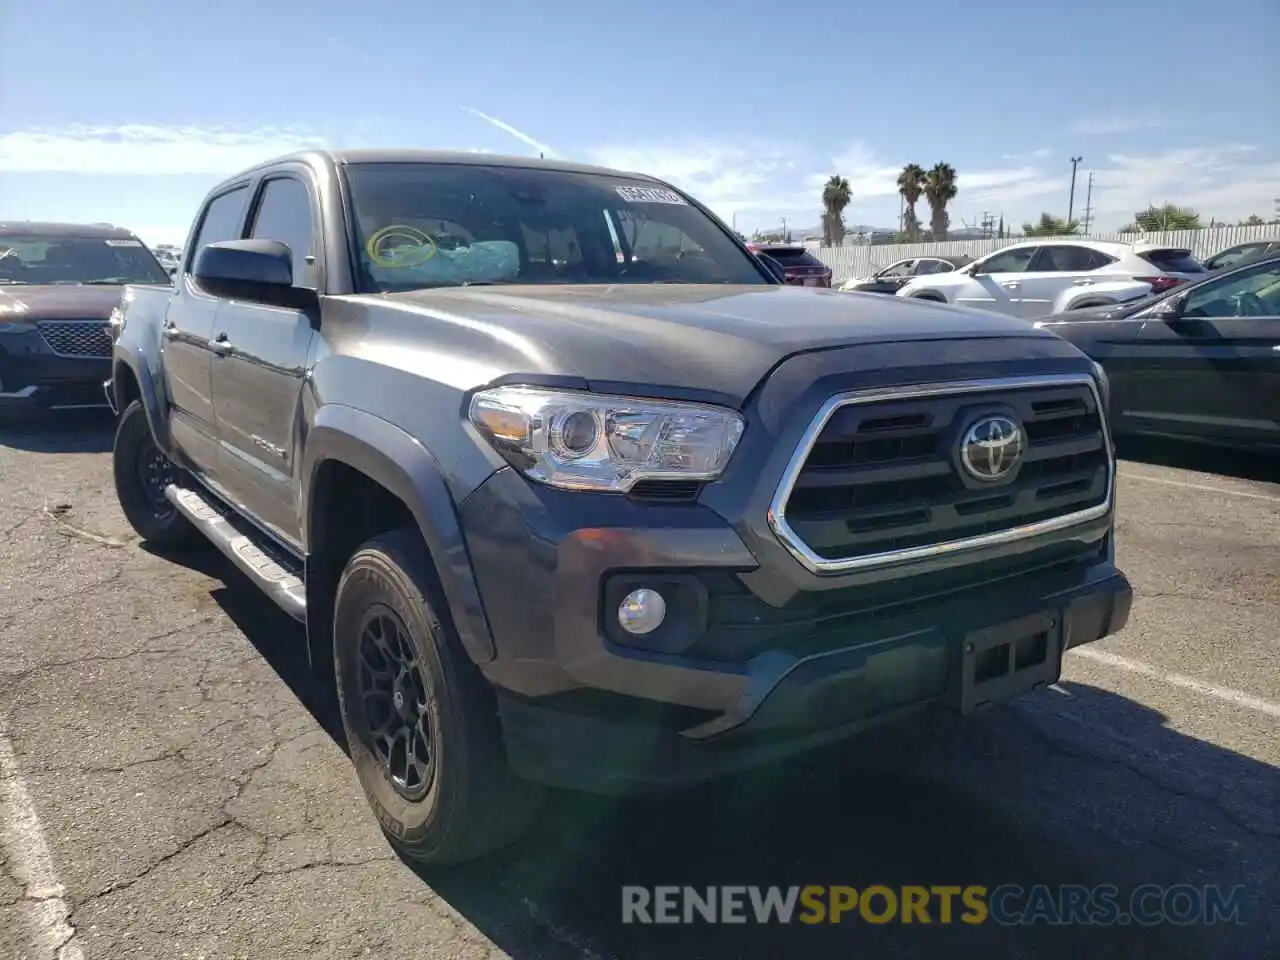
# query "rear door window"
(1015, 260)
(1068, 258)
(1173, 261)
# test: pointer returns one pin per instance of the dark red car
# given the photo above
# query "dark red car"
(801, 267)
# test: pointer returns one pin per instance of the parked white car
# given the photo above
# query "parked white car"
(1038, 277)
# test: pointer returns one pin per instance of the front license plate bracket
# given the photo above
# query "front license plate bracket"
(1008, 660)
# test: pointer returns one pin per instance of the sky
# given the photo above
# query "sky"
(129, 111)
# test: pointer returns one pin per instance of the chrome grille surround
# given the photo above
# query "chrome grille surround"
(816, 563)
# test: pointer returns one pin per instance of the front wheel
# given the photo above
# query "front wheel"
(142, 472)
(420, 721)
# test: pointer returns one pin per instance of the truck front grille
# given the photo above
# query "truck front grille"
(77, 338)
(881, 477)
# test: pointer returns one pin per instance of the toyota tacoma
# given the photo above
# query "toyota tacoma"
(569, 488)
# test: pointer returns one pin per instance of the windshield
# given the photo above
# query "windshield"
(442, 225)
(70, 260)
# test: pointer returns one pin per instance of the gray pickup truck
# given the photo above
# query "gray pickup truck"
(569, 488)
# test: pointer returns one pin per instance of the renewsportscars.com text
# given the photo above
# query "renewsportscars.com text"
(1008, 905)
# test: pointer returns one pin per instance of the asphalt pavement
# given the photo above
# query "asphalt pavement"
(173, 784)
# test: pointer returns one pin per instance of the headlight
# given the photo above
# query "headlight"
(586, 441)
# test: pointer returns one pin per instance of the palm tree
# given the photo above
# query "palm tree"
(1051, 226)
(940, 189)
(835, 197)
(910, 184)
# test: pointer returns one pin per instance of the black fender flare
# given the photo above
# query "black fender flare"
(393, 458)
(134, 359)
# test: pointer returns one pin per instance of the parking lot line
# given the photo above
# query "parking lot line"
(1237, 697)
(1126, 475)
(43, 905)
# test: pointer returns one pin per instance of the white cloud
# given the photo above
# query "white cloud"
(729, 178)
(1109, 126)
(1227, 182)
(757, 180)
(1041, 154)
(145, 149)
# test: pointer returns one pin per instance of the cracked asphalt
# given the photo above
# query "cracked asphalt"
(195, 800)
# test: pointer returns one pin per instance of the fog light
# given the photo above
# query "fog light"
(642, 611)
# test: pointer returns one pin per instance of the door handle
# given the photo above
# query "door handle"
(1082, 283)
(1011, 285)
(170, 329)
(220, 345)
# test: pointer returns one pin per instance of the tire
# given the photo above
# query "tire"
(459, 800)
(141, 471)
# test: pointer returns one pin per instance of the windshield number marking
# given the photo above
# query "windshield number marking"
(650, 195)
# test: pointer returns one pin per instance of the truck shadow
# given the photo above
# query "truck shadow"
(997, 800)
(1074, 785)
(83, 431)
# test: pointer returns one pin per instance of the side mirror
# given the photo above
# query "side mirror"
(773, 266)
(251, 267)
(1170, 309)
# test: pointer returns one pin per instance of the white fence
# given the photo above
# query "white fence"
(861, 261)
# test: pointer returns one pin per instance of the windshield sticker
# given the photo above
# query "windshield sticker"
(398, 246)
(650, 195)
(124, 243)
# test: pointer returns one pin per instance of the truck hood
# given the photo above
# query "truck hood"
(704, 339)
(58, 302)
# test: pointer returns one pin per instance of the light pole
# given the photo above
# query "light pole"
(1071, 198)
(1088, 204)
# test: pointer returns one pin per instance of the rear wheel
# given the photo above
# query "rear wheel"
(420, 721)
(142, 472)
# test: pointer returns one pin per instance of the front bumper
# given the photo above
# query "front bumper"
(760, 655)
(789, 707)
(34, 378)
(736, 682)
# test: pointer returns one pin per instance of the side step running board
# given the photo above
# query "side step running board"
(275, 575)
